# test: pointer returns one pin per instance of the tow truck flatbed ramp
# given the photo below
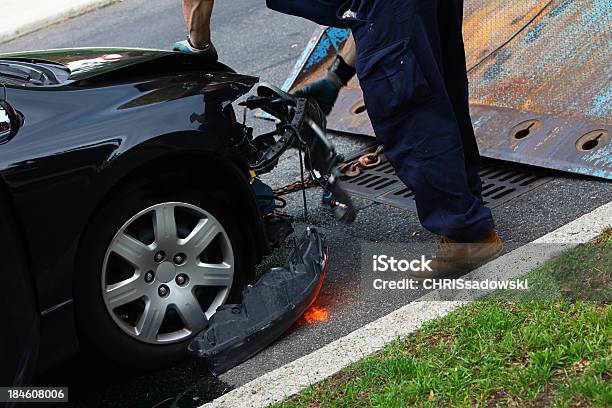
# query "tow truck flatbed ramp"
(540, 82)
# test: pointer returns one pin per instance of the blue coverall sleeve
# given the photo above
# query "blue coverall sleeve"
(323, 12)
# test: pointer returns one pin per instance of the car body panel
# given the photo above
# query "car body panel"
(81, 138)
(87, 63)
(20, 317)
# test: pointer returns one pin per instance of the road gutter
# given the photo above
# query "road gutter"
(291, 378)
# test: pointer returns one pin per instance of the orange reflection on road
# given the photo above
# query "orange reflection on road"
(314, 315)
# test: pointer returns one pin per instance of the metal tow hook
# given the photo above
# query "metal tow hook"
(369, 160)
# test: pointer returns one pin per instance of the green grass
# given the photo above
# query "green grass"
(584, 273)
(497, 352)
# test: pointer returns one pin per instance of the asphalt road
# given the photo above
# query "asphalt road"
(256, 41)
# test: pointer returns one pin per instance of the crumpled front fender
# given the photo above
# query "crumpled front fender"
(269, 308)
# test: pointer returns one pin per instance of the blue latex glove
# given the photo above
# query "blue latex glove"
(324, 91)
(209, 53)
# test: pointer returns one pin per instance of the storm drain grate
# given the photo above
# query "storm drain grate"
(501, 183)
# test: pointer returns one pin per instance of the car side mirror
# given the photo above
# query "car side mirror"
(10, 121)
(5, 124)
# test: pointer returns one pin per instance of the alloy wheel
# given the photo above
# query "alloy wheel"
(166, 271)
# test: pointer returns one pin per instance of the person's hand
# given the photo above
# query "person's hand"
(324, 92)
(209, 53)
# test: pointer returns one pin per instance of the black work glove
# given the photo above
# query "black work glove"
(324, 92)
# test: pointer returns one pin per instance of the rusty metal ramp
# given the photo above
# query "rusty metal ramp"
(540, 82)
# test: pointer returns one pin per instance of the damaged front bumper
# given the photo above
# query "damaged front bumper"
(237, 332)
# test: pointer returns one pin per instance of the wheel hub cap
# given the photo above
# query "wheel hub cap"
(166, 272)
(206, 266)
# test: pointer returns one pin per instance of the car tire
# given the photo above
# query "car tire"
(108, 330)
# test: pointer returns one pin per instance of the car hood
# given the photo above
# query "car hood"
(85, 63)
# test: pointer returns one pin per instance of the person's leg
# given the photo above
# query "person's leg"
(434, 168)
(197, 14)
(400, 66)
(450, 17)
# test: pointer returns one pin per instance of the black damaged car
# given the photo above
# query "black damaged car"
(128, 218)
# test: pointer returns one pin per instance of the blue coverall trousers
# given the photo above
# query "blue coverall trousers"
(412, 70)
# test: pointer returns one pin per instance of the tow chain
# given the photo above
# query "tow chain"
(347, 171)
(295, 186)
(353, 169)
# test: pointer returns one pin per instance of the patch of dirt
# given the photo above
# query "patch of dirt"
(605, 236)
(547, 395)
(498, 399)
(580, 366)
(338, 380)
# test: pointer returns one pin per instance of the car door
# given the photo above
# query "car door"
(19, 317)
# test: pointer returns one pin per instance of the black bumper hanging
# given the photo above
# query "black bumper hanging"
(269, 308)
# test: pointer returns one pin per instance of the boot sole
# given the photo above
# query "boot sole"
(463, 271)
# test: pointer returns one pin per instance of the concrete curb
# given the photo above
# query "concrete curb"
(44, 19)
(291, 378)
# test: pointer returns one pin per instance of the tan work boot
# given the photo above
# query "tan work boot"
(455, 258)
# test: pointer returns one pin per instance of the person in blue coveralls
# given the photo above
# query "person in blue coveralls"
(410, 61)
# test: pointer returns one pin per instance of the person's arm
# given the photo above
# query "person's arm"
(325, 91)
(197, 14)
(349, 52)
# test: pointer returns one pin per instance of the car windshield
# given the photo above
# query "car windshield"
(33, 72)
